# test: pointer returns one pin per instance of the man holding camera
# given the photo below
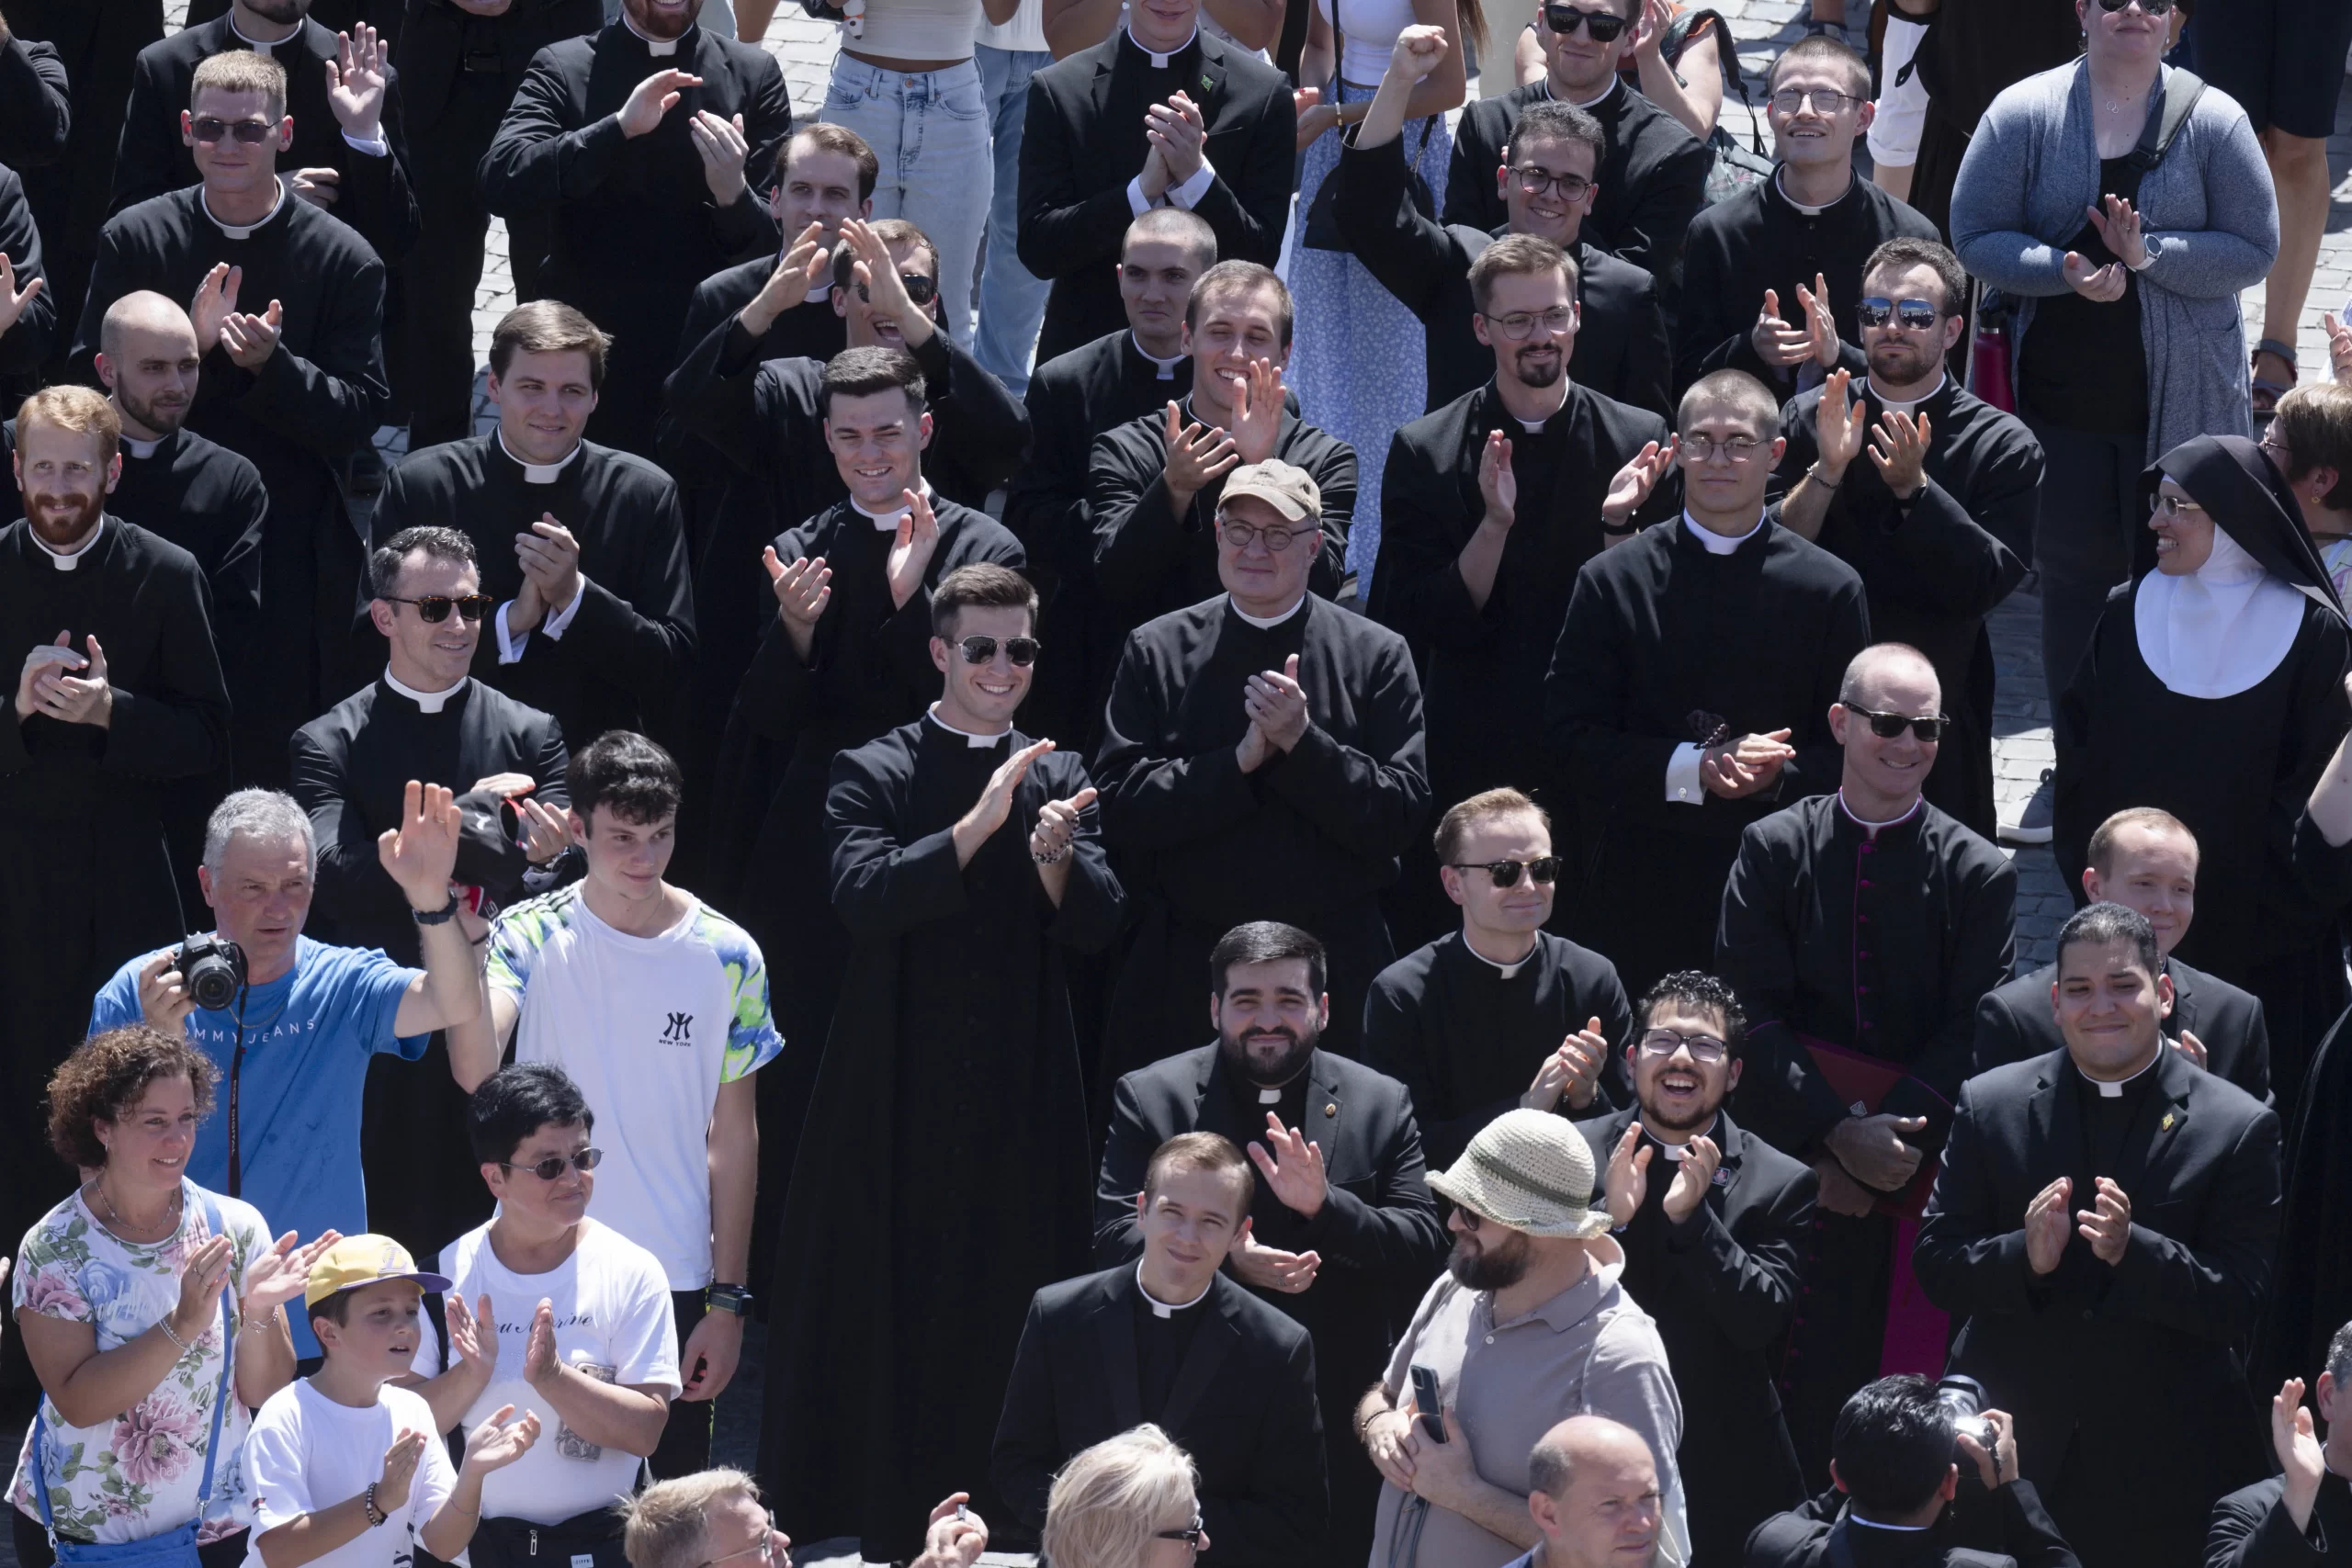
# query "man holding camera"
(1900, 1499)
(293, 1023)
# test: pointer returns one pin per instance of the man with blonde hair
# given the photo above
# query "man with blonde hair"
(1114, 1504)
(718, 1515)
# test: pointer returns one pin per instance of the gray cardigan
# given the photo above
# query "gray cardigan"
(2208, 213)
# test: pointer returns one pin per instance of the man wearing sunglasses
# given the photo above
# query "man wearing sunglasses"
(1939, 520)
(1651, 175)
(967, 864)
(1863, 926)
(1797, 242)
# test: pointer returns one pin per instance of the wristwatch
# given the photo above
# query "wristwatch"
(440, 917)
(733, 1299)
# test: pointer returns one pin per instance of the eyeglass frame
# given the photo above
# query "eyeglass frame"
(1226, 527)
(1701, 448)
(581, 1160)
(1017, 658)
(1872, 303)
(1585, 20)
(1544, 180)
(1527, 320)
(2170, 507)
(1697, 1044)
(766, 1547)
(1941, 723)
(1191, 1538)
(1815, 95)
(1494, 870)
(484, 603)
(262, 130)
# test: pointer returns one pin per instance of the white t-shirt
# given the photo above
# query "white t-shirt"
(649, 1028)
(612, 1322)
(308, 1453)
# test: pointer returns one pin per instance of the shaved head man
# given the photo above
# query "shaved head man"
(1595, 1497)
(1884, 772)
(148, 361)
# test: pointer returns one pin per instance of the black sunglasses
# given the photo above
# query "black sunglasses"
(1191, 1538)
(920, 289)
(551, 1168)
(2153, 7)
(1020, 650)
(435, 608)
(252, 133)
(1887, 726)
(1917, 315)
(1603, 25)
(1544, 869)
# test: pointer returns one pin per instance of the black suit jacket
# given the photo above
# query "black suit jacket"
(1653, 176)
(2014, 1023)
(1082, 143)
(36, 105)
(439, 44)
(1981, 1531)
(1243, 1406)
(2252, 1528)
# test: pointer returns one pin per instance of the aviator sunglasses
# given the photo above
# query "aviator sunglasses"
(1543, 868)
(1020, 650)
(434, 608)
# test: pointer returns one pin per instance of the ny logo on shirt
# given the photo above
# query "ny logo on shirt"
(681, 1029)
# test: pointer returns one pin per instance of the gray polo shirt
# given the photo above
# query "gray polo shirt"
(1589, 1350)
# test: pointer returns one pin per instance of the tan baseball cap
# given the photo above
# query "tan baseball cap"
(358, 1260)
(1288, 489)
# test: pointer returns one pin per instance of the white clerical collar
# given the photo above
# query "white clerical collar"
(539, 473)
(2115, 1090)
(1872, 828)
(64, 560)
(1718, 544)
(1159, 62)
(1874, 1524)
(1780, 184)
(889, 520)
(1682, 1151)
(1891, 406)
(1162, 1309)
(1269, 1096)
(257, 45)
(656, 47)
(1167, 366)
(972, 739)
(1508, 971)
(1262, 623)
(142, 448)
(242, 230)
(429, 702)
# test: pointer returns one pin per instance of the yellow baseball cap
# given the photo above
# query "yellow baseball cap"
(358, 1260)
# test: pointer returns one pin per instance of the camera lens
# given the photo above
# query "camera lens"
(213, 969)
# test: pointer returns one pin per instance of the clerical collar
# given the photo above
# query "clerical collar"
(889, 521)
(977, 742)
(1265, 622)
(1872, 828)
(1682, 1151)
(538, 473)
(65, 560)
(657, 47)
(243, 231)
(1167, 366)
(1853, 1517)
(427, 702)
(1159, 62)
(1718, 544)
(1162, 1309)
(2115, 1090)
(1508, 971)
(257, 45)
(142, 448)
(1779, 187)
(1894, 407)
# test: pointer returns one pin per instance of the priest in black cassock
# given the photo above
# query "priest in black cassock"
(2295, 1519)
(287, 306)
(29, 326)
(119, 694)
(580, 544)
(1153, 483)
(966, 864)
(351, 764)
(642, 168)
(1261, 761)
(1502, 1013)
(1939, 521)
(1689, 691)
(1859, 929)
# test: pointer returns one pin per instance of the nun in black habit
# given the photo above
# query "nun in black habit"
(2213, 690)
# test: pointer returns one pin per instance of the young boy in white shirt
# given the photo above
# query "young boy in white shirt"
(344, 1469)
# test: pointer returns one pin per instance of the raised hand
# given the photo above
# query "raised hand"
(1872, 1147)
(1693, 1173)
(1270, 1268)
(1056, 827)
(473, 1336)
(40, 661)
(2046, 1231)
(2107, 1223)
(1277, 705)
(358, 79)
(280, 1274)
(1627, 1180)
(540, 1363)
(1198, 456)
(910, 552)
(2118, 227)
(79, 699)
(802, 589)
(653, 98)
(251, 339)
(1633, 483)
(216, 300)
(1777, 343)
(1497, 486)
(2303, 1459)
(955, 1536)
(1899, 448)
(547, 833)
(995, 806)
(163, 999)
(400, 1471)
(723, 148)
(13, 300)
(202, 1279)
(2102, 284)
(2193, 1048)
(1178, 134)
(1257, 411)
(887, 296)
(1820, 326)
(1649, 34)
(1293, 1168)
(499, 1441)
(1251, 754)
(798, 271)
(1839, 426)
(1418, 50)
(549, 557)
(421, 851)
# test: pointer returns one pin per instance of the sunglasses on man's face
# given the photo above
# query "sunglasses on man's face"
(1020, 650)
(252, 133)
(1887, 726)
(552, 1168)
(2151, 7)
(1543, 868)
(921, 290)
(1915, 315)
(435, 608)
(1604, 27)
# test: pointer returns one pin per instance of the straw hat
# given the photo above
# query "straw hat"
(1528, 1171)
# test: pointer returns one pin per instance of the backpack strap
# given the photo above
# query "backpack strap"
(2166, 117)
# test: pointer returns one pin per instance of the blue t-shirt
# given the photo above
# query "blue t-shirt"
(308, 1035)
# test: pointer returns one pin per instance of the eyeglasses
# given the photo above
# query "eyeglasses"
(1543, 868)
(552, 1168)
(1887, 726)
(766, 1548)
(434, 608)
(2173, 508)
(1603, 25)
(251, 132)
(1826, 100)
(921, 290)
(1535, 181)
(1191, 1538)
(1020, 650)
(1703, 1048)
(2151, 7)
(1238, 535)
(1917, 315)
(1703, 448)
(2270, 444)
(1469, 1217)
(1521, 324)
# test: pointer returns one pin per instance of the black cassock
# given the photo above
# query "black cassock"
(1935, 568)
(943, 1178)
(1664, 641)
(1311, 837)
(313, 402)
(2252, 1527)
(634, 225)
(1467, 1035)
(626, 652)
(90, 881)
(31, 338)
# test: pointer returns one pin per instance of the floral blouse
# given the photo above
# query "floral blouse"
(136, 1474)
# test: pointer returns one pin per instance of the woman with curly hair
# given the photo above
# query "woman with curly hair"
(152, 1312)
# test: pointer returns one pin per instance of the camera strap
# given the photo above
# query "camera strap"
(236, 1071)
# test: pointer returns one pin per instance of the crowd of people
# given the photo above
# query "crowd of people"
(1135, 506)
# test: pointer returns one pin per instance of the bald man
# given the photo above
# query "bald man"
(1860, 928)
(1595, 1496)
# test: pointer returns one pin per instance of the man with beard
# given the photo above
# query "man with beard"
(1533, 1288)
(1863, 927)
(633, 141)
(287, 306)
(118, 696)
(1939, 521)
(1502, 1013)
(1547, 190)
(1342, 1228)
(1714, 1221)
(968, 868)
(580, 544)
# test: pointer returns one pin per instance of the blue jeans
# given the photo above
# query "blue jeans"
(930, 132)
(1013, 299)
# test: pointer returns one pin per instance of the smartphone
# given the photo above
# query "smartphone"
(1429, 1403)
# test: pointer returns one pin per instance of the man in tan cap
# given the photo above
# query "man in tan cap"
(1527, 1328)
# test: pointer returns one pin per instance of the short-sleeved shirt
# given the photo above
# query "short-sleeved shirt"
(307, 1452)
(136, 1474)
(2335, 556)
(649, 1027)
(309, 1036)
(1589, 1350)
(612, 1322)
